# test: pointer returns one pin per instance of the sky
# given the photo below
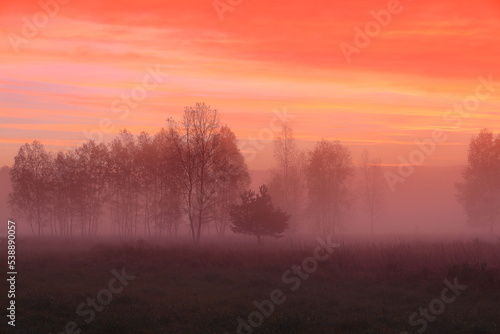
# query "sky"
(90, 68)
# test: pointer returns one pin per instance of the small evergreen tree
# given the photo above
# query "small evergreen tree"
(256, 215)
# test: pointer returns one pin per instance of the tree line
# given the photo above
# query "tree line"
(188, 172)
(192, 173)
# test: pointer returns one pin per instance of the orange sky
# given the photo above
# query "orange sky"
(264, 56)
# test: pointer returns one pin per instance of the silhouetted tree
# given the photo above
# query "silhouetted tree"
(479, 192)
(123, 178)
(30, 177)
(372, 187)
(146, 158)
(65, 183)
(328, 170)
(204, 160)
(167, 185)
(256, 215)
(287, 184)
(93, 169)
(234, 179)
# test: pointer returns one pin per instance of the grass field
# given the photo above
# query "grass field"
(182, 288)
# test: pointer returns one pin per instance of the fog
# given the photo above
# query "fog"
(424, 205)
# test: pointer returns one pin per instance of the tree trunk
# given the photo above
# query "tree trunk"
(200, 221)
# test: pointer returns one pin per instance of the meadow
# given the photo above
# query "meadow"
(179, 287)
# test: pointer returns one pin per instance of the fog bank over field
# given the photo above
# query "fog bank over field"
(424, 204)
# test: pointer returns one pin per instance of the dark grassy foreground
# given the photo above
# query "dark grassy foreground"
(186, 289)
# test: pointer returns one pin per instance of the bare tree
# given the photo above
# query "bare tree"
(328, 171)
(203, 160)
(372, 187)
(479, 192)
(146, 158)
(124, 183)
(30, 177)
(167, 189)
(65, 192)
(287, 184)
(95, 164)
